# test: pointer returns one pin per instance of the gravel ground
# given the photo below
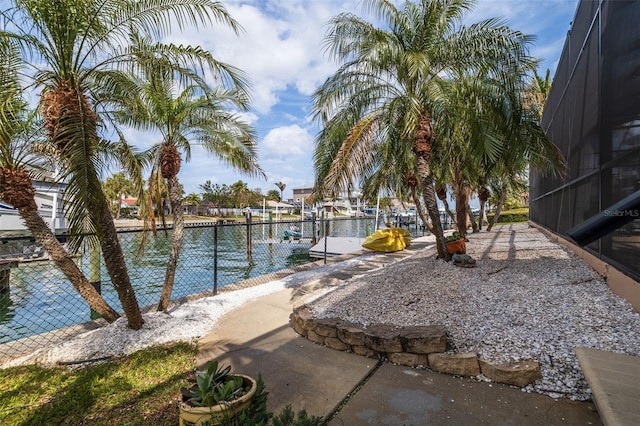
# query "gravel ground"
(528, 298)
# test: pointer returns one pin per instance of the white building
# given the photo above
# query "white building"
(49, 199)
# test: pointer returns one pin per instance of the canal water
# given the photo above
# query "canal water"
(41, 299)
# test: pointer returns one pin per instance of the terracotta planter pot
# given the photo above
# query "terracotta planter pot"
(216, 414)
(457, 246)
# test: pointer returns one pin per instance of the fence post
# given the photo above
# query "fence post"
(326, 238)
(94, 275)
(248, 220)
(314, 239)
(215, 259)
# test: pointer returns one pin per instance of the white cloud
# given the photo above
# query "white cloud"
(280, 47)
(248, 117)
(289, 141)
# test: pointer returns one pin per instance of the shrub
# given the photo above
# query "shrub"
(512, 216)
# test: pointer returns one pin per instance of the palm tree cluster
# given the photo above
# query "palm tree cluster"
(97, 65)
(422, 101)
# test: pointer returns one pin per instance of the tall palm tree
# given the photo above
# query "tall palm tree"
(19, 164)
(392, 80)
(195, 114)
(79, 50)
(281, 186)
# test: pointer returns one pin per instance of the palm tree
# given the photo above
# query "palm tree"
(216, 193)
(391, 84)
(115, 187)
(539, 92)
(18, 166)
(240, 194)
(77, 51)
(497, 139)
(195, 114)
(281, 186)
(192, 200)
(273, 195)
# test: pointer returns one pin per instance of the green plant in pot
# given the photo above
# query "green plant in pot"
(455, 243)
(216, 396)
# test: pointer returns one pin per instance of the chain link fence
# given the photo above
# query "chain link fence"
(38, 305)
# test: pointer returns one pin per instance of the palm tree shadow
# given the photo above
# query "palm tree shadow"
(494, 246)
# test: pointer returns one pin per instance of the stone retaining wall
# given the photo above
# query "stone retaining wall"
(417, 346)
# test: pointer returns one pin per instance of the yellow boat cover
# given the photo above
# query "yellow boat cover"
(388, 240)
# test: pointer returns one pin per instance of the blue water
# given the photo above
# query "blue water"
(41, 299)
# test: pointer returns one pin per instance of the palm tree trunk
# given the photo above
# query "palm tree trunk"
(429, 196)
(447, 209)
(176, 242)
(152, 215)
(470, 221)
(117, 267)
(482, 217)
(461, 205)
(422, 149)
(65, 263)
(483, 196)
(118, 208)
(503, 198)
(442, 196)
(416, 201)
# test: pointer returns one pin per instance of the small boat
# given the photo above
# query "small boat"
(293, 232)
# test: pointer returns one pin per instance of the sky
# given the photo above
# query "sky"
(281, 50)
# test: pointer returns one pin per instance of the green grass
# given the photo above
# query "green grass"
(141, 389)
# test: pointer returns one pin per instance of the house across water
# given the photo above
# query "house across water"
(49, 198)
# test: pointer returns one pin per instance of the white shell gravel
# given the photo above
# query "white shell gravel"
(528, 298)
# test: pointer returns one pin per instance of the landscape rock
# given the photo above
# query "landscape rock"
(351, 334)
(337, 344)
(327, 327)
(410, 360)
(301, 319)
(463, 364)
(383, 338)
(519, 374)
(315, 337)
(424, 339)
(364, 351)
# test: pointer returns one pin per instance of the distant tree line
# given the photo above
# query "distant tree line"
(234, 196)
